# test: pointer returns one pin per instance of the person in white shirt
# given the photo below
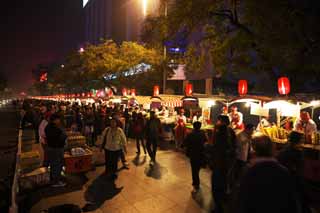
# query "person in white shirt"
(236, 119)
(307, 125)
(114, 142)
(43, 138)
(263, 123)
(197, 117)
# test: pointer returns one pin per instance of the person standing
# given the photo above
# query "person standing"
(222, 155)
(153, 130)
(138, 128)
(243, 148)
(181, 121)
(89, 121)
(114, 142)
(194, 144)
(56, 139)
(267, 186)
(236, 119)
(197, 117)
(292, 157)
(306, 125)
(43, 137)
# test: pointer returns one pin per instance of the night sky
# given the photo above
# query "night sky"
(37, 32)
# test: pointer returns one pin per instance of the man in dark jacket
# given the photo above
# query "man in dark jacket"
(153, 130)
(194, 144)
(267, 186)
(56, 139)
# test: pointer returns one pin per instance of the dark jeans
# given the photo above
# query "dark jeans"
(138, 139)
(45, 162)
(195, 169)
(112, 158)
(152, 145)
(123, 157)
(55, 160)
(219, 186)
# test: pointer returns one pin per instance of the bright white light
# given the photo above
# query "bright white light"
(85, 2)
(144, 7)
(315, 103)
(81, 50)
(211, 103)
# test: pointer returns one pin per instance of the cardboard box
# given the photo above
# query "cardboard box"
(78, 164)
(37, 177)
(30, 160)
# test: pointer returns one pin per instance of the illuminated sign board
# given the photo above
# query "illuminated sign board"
(85, 2)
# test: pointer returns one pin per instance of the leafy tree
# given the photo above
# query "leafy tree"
(84, 71)
(276, 37)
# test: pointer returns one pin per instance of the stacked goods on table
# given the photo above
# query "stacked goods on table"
(276, 134)
(316, 138)
(78, 160)
(71, 133)
(76, 141)
(78, 157)
(37, 177)
(30, 161)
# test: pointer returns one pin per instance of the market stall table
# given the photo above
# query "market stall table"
(207, 128)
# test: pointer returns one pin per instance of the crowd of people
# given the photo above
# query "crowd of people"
(243, 164)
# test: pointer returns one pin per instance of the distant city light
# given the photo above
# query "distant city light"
(62, 65)
(81, 50)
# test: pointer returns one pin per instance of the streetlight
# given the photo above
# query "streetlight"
(144, 7)
(145, 11)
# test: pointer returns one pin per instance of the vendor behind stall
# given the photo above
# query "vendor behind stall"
(236, 118)
(181, 121)
(197, 117)
(306, 125)
(264, 123)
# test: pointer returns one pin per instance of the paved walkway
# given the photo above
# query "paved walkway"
(164, 188)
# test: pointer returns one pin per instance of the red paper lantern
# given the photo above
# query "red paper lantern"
(124, 92)
(189, 90)
(283, 86)
(242, 87)
(83, 94)
(156, 89)
(133, 92)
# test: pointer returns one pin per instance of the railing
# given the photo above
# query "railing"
(15, 185)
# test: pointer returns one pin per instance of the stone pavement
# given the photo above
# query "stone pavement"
(164, 188)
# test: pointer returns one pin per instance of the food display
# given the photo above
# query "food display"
(276, 134)
(315, 138)
(78, 162)
(76, 141)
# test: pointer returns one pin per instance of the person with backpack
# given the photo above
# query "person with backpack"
(114, 142)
